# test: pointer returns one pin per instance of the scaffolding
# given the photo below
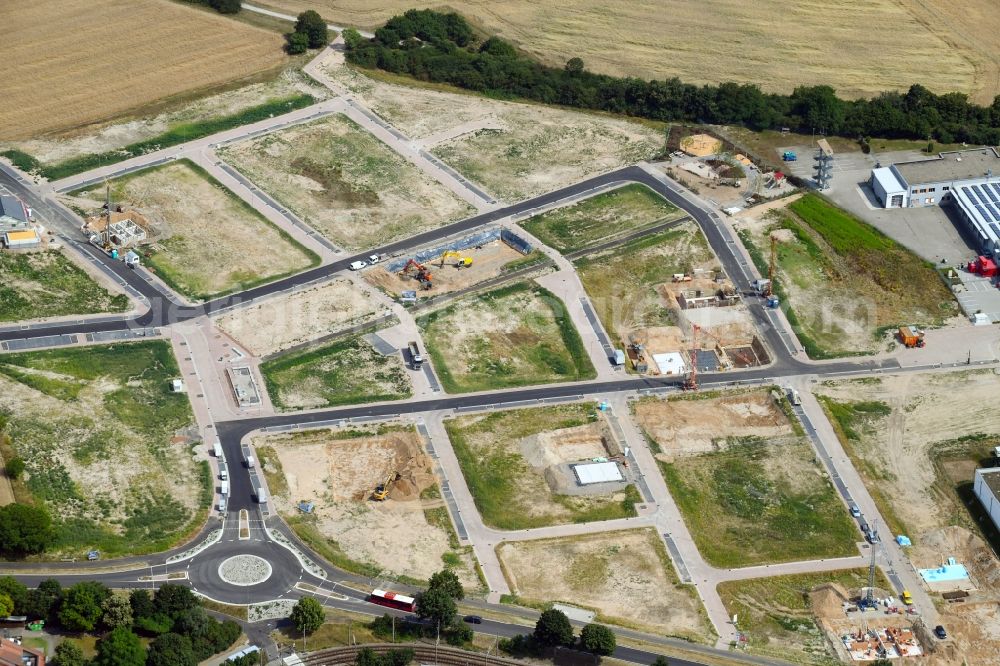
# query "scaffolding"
(823, 164)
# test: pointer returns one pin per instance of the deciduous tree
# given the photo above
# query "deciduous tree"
(81, 606)
(436, 605)
(553, 628)
(307, 615)
(120, 648)
(69, 653)
(598, 639)
(314, 27)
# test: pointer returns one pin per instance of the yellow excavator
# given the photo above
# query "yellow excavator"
(382, 490)
(460, 261)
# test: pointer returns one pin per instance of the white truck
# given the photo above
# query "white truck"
(247, 456)
(224, 488)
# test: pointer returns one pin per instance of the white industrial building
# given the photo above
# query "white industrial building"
(967, 179)
(987, 488)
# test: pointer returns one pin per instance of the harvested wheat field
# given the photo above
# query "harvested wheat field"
(513, 150)
(776, 45)
(289, 319)
(683, 427)
(608, 573)
(206, 240)
(70, 63)
(345, 183)
(338, 470)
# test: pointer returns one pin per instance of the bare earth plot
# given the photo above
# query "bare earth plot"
(285, 320)
(515, 463)
(207, 240)
(120, 132)
(338, 470)
(608, 573)
(514, 336)
(757, 494)
(343, 372)
(776, 46)
(48, 284)
(513, 150)
(917, 440)
(345, 183)
(627, 285)
(106, 446)
(488, 261)
(155, 50)
(601, 218)
(785, 616)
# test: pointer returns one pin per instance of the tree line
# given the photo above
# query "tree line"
(442, 47)
(221, 6)
(181, 631)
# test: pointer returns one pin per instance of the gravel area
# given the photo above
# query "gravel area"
(245, 570)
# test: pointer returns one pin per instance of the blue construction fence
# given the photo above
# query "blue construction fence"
(480, 238)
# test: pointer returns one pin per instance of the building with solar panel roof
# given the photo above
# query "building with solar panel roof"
(969, 180)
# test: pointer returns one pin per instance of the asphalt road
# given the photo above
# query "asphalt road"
(202, 569)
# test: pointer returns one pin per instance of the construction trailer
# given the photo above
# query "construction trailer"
(911, 336)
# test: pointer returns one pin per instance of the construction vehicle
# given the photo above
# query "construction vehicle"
(416, 358)
(637, 354)
(382, 489)
(911, 336)
(419, 272)
(461, 262)
(983, 267)
(789, 156)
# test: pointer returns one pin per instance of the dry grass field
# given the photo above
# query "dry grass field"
(345, 183)
(608, 573)
(207, 241)
(777, 45)
(71, 63)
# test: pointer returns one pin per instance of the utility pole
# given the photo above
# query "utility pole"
(770, 270)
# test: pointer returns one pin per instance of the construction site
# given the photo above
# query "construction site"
(368, 494)
(559, 465)
(455, 266)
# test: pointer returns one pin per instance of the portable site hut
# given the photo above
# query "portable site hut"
(21, 239)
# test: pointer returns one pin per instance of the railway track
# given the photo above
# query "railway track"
(422, 654)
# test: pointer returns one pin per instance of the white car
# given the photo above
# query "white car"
(373, 259)
(357, 265)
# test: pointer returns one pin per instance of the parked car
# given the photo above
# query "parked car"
(358, 265)
(373, 259)
(855, 510)
(473, 619)
(940, 632)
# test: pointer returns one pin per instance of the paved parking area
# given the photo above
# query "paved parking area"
(979, 295)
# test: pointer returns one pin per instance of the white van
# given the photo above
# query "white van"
(217, 449)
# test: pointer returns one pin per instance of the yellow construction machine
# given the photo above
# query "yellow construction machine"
(382, 490)
(460, 261)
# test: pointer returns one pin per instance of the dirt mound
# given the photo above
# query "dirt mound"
(698, 426)
(827, 600)
(565, 445)
(969, 549)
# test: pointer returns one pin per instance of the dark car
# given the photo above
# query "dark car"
(473, 619)
(940, 632)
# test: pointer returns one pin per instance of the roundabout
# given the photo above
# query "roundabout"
(245, 570)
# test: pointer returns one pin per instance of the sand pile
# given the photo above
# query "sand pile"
(827, 600)
(565, 445)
